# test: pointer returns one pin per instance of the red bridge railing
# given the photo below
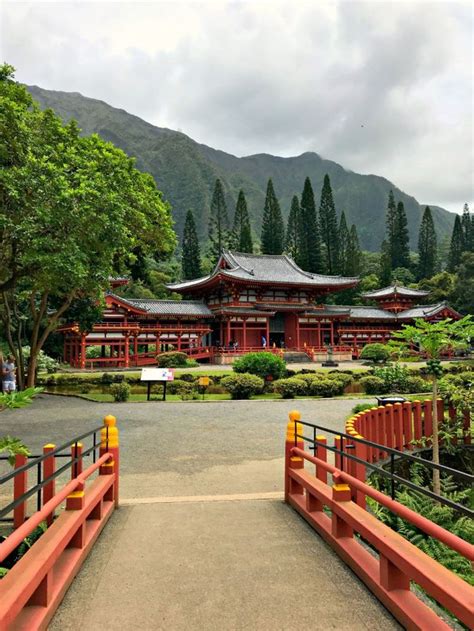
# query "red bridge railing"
(33, 588)
(396, 562)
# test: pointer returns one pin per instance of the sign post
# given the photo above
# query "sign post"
(203, 382)
(153, 375)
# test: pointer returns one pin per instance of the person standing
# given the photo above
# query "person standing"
(9, 375)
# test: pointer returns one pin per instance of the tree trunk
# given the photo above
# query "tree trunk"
(32, 363)
(436, 479)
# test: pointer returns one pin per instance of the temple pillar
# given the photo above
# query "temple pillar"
(83, 350)
(267, 331)
(127, 350)
(135, 349)
(227, 342)
(297, 331)
(332, 333)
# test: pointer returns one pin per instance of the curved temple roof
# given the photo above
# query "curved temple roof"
(394, 290)
(264, 268)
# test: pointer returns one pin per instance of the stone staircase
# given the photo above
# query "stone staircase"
(295, 357)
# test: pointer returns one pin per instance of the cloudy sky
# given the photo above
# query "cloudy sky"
(381, 87)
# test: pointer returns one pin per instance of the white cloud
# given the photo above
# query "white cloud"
(381, 87)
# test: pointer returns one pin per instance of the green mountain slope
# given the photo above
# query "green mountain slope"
(185, 171)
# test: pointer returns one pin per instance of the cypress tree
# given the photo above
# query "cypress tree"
(455, 250)
(310, 258)
(242, 233)
(293, 231)
(399, 246)
(427, 246)
(390, 224)
(344, 244)
(385, 274)
(468, 235)
(353, 254)
(218, 222)
(329, 232)
(273, 229)
(191, 258)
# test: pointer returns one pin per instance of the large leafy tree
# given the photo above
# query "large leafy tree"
(329, 228)
(273, 229)
(293, 231)
(72, 212)
(191, 257)
(218, 222)
(390, 225)
(385, 272)
(456, 247)
(427, 246)
(433, 339)
(310, 258)
(242, 233)
(463, 292)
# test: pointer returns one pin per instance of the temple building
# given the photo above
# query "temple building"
(248, 302)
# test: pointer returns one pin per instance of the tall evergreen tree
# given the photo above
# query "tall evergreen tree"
(191, 257)
(293, 231)
(344, 244)
(353, 264)
(385, 273)
(273, 229)
(310, 240)
(456, 247)
(218, 222)
(399, 246)
(329, 230)
(390, 224)
(427, 246)
(467, 230)
(242, 233)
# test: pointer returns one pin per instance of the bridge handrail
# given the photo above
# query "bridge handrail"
(430, 528)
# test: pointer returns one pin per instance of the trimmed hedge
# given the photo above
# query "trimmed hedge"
(120, 392)
(243, 385)
(374, 385)
(172, 359)
(290, 388)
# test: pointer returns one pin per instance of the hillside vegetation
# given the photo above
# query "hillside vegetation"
(186, 172)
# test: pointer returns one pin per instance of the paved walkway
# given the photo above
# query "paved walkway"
(203, 540)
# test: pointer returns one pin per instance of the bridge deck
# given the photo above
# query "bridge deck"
(173, 558)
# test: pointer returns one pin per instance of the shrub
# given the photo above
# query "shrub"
(93, 352)
(361, 407)
(18, 399)
(395, 376)
(120, 391)
(325, 387)
(376, 353)
(289, 388)
(417, 384)
(172, 359)
(106, 379)
(216, 389)
(261, 364)
(374, 385)
(187, 376)
(243, 386)
(340, 376)
(44, 362)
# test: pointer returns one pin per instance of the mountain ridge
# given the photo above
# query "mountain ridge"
(185, 171)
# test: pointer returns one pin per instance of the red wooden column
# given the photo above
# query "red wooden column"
(227, 342)
(127, 350)
(83, 350)
(267, 332)
(332, 333)
(49, 466)
(135, 348)
(244, 325)
(297, 331)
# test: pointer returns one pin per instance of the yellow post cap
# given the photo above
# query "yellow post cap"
(110, 420)
(294, 415)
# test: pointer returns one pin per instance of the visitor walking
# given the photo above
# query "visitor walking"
(9, 375)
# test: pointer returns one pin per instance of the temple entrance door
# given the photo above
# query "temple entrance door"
(277, 330)
(278, 339)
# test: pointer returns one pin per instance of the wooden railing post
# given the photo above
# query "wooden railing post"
(49, 467)
(109, 442)
(293, 462)
(341, 492)
(20, 483)
(322, 453)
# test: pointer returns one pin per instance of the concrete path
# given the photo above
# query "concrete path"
(203, 540)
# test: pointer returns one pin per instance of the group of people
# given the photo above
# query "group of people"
(7, 374)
